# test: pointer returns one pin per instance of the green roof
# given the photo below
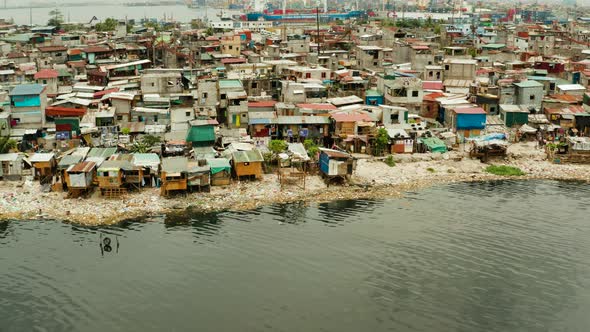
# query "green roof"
(219, 165)
(226, 84)
(68, 160)
(19, 38)
(528, 84)
(373, 93)
(62, 72)
(541, 78)
(201, 134)
(434, 144)
(104, 153)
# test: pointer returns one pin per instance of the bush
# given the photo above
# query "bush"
(125, 131)
(389, 161)
(277, 146)
(311, 147)
(431, 170)
(504, 170)
(7, 144)
(381, 141)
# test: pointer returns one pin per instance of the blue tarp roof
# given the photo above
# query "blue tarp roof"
(27, 89)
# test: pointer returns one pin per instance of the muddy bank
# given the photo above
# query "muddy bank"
(373, 179)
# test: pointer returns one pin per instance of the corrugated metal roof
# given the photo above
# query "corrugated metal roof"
(27, 89)
(146, 159)
(228, 84)
(69, 160)
(8, 157)
(175, 164)
(335, 153)
(104, 153)
(41, 157)
(528, 84)
(114, 165)
(247, 156)
(83, 167)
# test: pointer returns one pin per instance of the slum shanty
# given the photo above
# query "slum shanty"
(164, 111)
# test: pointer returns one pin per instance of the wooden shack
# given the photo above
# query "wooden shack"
(64, 164)
(199, 175)
(574, 150)
(79, 178)
(132, 175)
(247, 163)
(336, 164)
(220, 171)
(150, 162)
(11, 166)
(45, 166)
(174, 175)
(110, 178)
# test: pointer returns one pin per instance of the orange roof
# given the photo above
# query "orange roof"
(566, 98)
(270, 103)
(46, 73)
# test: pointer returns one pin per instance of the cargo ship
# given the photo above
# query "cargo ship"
(310, 16)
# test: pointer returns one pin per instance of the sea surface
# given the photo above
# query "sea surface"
(83, 14)
(180, 13)
(496, 256)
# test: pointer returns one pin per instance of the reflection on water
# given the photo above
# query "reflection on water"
(494, 256)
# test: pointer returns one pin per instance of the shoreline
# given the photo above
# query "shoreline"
(373, 179)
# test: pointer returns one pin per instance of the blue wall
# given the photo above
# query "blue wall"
(377, 100)
(26, 101)
(470, 121)
(324, 163)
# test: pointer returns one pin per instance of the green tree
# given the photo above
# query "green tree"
(7, 144)
(56, 18)
(311, 147)
(139, 147)
(110, 24)
(381, 141)
(151, 140)
(125, 131)
(277, 146)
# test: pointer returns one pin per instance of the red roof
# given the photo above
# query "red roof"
(52, 48)
(46, 73)
(470, 110)
(64, 111)
(433, 96)
(77, 64)
(432, 85)
(355, 117)
(96, 49)
(270, 103)
(14, 55)
(233, 60)
(318, 107)
(104, 92)
(577, 109)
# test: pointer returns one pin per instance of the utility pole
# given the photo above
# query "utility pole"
(317, 13)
